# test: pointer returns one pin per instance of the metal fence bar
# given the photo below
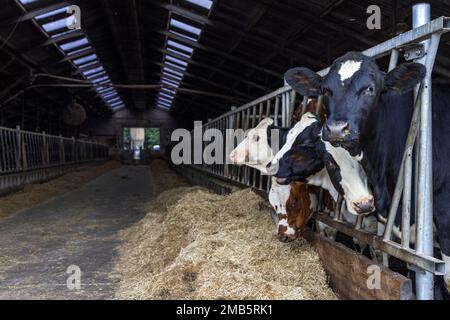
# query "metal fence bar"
(22, 150)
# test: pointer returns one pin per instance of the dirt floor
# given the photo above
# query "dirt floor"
(35, 194)
(193, 244)
(76, 230)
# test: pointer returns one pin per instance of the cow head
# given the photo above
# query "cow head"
(293, 206)
(353, 87)
(307, 163)
(254, 150)
(309, 154)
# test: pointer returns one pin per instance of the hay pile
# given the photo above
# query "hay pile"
(35, 194)
(197, 245)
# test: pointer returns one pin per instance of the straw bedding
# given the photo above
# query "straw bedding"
(35, 194)
(197, 245)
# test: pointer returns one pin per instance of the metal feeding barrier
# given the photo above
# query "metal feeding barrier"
(421, 45)
(23, 151)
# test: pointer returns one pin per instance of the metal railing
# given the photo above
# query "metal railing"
(280, 104)
(22, 151)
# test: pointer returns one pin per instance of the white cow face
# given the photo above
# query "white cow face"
(254, 151)
(350, 179)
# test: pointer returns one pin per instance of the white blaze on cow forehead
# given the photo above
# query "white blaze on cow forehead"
(278, 196)
(348, 69)
(353, 178)
(306, 120)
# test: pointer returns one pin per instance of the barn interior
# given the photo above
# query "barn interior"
(115, 72)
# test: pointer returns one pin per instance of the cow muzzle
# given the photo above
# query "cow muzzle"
(364, 205)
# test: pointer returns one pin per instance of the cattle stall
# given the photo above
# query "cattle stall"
(421, 45)
(30, 157)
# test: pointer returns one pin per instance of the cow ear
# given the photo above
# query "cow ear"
(304, 81)
(405, 77)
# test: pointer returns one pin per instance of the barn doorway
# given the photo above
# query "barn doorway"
(141, 141)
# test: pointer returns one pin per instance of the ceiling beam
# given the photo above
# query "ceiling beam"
(209, 67)
(48, 6)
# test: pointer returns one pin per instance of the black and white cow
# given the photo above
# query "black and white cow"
(304, 153)
(369, 114)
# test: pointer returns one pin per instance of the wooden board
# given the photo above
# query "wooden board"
(349, 273)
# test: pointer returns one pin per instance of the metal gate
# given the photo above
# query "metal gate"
(279, 105)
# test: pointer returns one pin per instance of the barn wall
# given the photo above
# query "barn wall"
(110, 130)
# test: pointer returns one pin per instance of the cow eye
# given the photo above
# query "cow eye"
(369, 91)
(256, 138)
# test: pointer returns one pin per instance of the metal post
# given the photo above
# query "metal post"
(424, 223)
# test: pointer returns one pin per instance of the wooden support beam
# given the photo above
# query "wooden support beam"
(352, 275)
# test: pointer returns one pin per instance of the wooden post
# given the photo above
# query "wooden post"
(352, 275)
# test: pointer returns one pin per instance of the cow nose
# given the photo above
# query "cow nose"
(364, 205)
(283, 238)
(337, 130)
(233, 157)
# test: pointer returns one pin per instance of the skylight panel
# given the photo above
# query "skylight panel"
(109, 95)
(184, 26)
(84, 66)
(63, 33)
(51, 13)
(104, 90)
(168, 100)
(112, 101)
(183, 35)
(178, 52)
(114, 105)
(177, 61)
(163, 107)
(178, 78)
(170, 83)
(202, 3)
(169, 64)
(165, 69)
(99, 80)
(74, 44)
(86, 59)
(92, 71)
(71, 53)
(25, 2)
(180, 46)
(166, 96)
(164, 104)
(60, 24)
(98, 73)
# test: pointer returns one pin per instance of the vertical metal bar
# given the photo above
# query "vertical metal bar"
(424, 223)
(277, 107)
(304, 104)
(394, 59)
(293, 97)
(319, 105)
(260, 176)
(406, 214)
(283, 110)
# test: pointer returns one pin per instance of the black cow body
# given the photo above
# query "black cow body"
(369, 114)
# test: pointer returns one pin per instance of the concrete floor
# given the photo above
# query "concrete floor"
(81, 229)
